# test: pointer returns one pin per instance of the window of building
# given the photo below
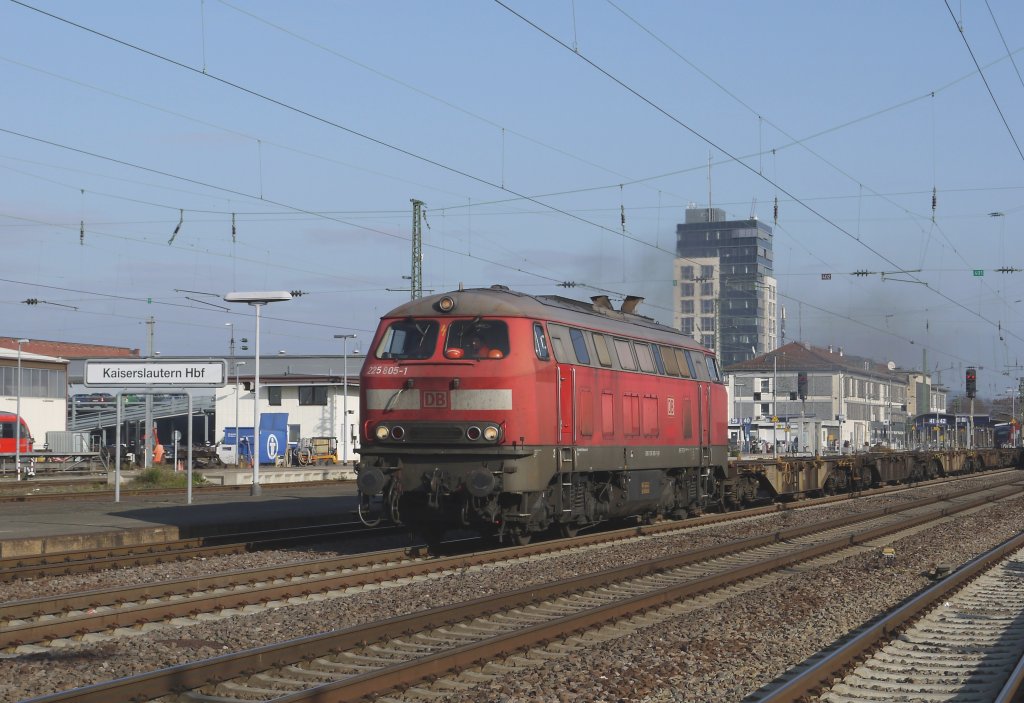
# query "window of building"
(312, 395)
(707, 288)
(273, 395)
(294, 433)
(686, 326)
(708, 341)
(707, 307)
(707, 324)
(686, 273)
(707, 271)
(686, 307)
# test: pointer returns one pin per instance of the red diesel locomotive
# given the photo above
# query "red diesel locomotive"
(513, 414)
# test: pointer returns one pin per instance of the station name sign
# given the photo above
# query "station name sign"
(165, 373)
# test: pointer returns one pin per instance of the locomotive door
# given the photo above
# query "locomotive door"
(566, 437)
(704, 422)
(566, 405)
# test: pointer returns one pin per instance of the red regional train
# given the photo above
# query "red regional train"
(9, 433)
(515, 414)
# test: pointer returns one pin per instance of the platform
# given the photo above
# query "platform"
(42, 527)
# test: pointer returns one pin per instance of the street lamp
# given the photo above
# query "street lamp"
(344, 395)
(17, 413)
(238, 442)
(257, 299)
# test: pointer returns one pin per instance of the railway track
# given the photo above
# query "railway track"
(367, 660)
(141, 607)
(958, 640)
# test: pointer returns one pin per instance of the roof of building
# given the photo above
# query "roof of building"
(799, 356)
(68, 350)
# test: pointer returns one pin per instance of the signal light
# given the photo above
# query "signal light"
(801, 385)
(972, 382)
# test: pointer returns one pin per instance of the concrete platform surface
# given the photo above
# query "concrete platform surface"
(43, 527)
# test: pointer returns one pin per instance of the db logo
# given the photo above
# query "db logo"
(435, 399)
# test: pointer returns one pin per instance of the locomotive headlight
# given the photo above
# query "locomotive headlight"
(446, 304)
(382, 432)
(473, 433)
(491, 433)
(397, 432)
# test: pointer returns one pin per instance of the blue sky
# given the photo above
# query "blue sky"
(315, 123)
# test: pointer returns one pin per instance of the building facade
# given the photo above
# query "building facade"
(726, 295)
(849, 402)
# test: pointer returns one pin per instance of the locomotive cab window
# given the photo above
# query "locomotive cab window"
(477, 339)
(408, 339)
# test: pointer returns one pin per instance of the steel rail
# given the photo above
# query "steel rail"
(317, 576)
(813, 679)
(195, 674)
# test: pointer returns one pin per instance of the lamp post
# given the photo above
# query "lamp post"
(257, 299)
(344, 395)
(17, 419)
(238, 442)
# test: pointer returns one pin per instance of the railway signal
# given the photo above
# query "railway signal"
(972, 382)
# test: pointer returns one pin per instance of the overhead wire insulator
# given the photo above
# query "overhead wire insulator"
(935, 202)
(81, 233)
(861, 272)
(31, 301)
(297, 293)
(775, 210)
(181, 218)
(234, 231)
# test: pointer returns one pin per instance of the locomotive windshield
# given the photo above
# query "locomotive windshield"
(477, 339)
(408, 339)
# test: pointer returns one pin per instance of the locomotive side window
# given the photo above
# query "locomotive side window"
(643, 355)
(579, 345)
(408, 339)
(713, 369)
(658, 361)
(540, 342)
(697, 365)
(604, 356)
(624, 350)
(668, 356)
(477, 339)
(559, 344)
(685, 368)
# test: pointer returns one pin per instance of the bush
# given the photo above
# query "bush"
(165, 478)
